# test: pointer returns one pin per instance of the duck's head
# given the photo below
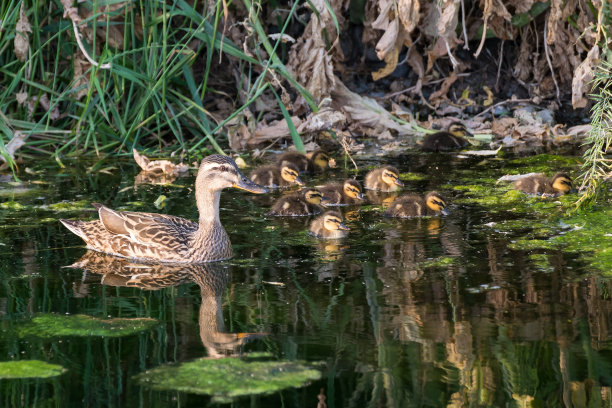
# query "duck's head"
(352, 189)
(459, 130)
(562, 183)
(291, 174)
(320, 159)
(313, 196)
(436, 202)
(332, 221)
(390, 175)
(218, 172)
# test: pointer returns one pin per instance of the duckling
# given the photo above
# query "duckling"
(317, 160)
(383, 179)
(342, 194)
(329, 226)
(305, 202)
(277, 176)
(411, 205)
(555, 186)
(451, 139)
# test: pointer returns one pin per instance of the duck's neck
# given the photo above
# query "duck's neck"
(208, 207)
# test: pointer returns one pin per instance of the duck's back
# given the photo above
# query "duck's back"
(160, 237)
(333, 193)
(293, 206)
(408, 206)
(443, 141)
(299, 160)
(267, 176)
(536, 184)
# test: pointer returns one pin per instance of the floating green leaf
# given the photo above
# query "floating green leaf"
(29, 369)
(227, 378)
(52, 325)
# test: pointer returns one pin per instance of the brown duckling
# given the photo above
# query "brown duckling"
(329, 225)
(317, 160)
(342, 194)
(557, 185)
(383, 179)
(277, 176)
(412, 205)
(305, 202)
(451, 139)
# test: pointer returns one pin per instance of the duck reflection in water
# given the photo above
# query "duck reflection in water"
(212, 278)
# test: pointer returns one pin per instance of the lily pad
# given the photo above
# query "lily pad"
(52, 325)
(29, 369)
(227, 378)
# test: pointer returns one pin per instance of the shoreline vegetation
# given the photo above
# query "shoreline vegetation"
(104, 77)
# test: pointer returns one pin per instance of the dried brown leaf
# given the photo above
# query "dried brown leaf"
(22, 39)
(81, 65)
(441, 93)
(582, 78)
(390, 65)
(278, 129)
(365, 114)
(408, 11)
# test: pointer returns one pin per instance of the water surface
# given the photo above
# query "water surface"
(437, 312)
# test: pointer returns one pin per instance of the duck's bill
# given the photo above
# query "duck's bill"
(248, 185)
(399, 182)
(299, 181)
(445, 211)
(342, 226)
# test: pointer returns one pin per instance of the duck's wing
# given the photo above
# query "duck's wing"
(147, 228)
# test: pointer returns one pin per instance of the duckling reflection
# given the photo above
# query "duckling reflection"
(212, 278)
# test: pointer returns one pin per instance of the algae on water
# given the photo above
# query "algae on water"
(29, 369)
(228, 378)
(53, 325)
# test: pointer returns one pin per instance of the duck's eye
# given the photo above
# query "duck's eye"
(223, 168)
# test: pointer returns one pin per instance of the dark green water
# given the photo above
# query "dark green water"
(493, 305)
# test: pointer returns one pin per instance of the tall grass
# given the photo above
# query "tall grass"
(154, 94)
(597, 168)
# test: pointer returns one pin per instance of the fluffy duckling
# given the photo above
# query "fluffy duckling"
(383, 179)
(411, 205)
(342, 194)
(277, 176)
(329, 226)
(557, 185)
(317, 160)
(305, 202)
(451, 139)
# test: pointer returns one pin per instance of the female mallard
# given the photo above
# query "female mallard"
(557, 185)
(305, 202)
(342, 194)
(383, 179)
(272, 176)
(451, 139)
(314, 161)
(167, 238)
(411, 205)
(329, 226)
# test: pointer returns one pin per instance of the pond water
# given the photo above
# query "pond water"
(505, 302)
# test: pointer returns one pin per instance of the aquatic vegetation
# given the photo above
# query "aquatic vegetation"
(29, 369)
(54, 325)
(228, 378)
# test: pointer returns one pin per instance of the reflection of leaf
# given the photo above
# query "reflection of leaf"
(29, 369)
(228, 378)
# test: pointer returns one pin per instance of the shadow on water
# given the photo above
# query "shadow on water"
(478, 308)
